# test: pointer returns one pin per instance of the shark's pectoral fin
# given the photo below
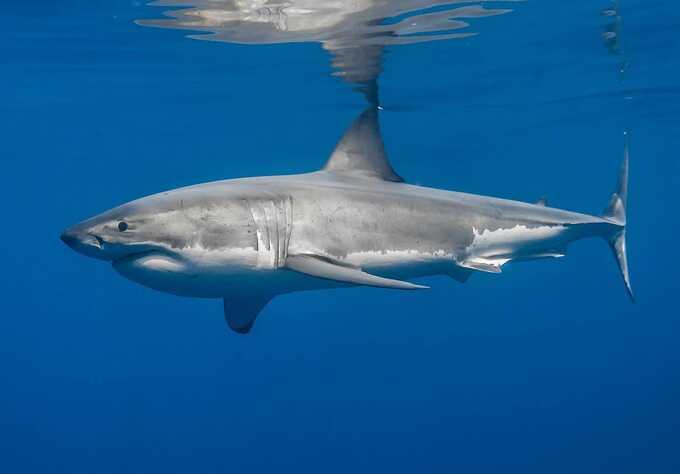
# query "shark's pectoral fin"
(459, 273)
(322, 267)
(241, 310)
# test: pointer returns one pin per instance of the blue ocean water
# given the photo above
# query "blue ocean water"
(545, 368)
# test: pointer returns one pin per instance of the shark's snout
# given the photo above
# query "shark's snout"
(83, 242)
(69, 238)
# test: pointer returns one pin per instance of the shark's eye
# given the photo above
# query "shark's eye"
(122, 226)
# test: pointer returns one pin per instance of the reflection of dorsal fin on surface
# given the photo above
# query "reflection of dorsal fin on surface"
(361, 151)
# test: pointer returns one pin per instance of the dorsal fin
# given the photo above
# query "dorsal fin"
(361, 151)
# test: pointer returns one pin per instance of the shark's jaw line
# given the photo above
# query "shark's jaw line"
(131, 257)
(151, 268)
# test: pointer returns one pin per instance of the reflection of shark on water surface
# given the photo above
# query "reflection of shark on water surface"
(354, 32)
(355, 222)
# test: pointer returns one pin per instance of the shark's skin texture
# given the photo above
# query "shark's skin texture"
(354, 222)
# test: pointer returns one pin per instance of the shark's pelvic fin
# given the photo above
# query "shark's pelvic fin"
(360, 152)
(241, 310)
(543, 201)
(459, 273)
(494, 263)
(321, 267)
(488, 266)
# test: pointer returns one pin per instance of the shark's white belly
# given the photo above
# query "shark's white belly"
(193, 272)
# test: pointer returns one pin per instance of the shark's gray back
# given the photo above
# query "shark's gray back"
(337, 215)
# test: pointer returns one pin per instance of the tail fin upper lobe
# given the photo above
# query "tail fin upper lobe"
(616, 214)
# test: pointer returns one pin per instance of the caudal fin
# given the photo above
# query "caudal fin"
(616, 214)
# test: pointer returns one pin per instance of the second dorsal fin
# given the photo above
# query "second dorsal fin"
(361, 151)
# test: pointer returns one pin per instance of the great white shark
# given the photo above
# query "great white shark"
(354, 222)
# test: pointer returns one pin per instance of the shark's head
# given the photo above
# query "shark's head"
(182, 242)
(121, 232)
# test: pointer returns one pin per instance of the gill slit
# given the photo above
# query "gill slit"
(273, 228)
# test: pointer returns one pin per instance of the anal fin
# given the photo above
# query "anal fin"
(550, 254)
(321, 267)
(540, 255)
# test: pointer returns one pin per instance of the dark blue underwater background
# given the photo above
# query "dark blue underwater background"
(547, 368)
